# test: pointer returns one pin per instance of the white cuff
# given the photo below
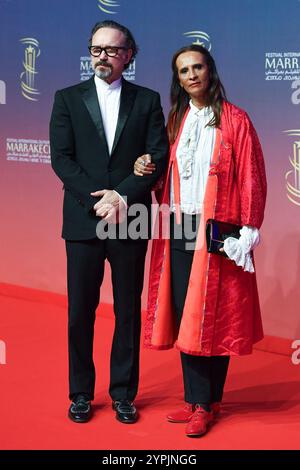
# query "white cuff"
(239, 250)
(122, 199)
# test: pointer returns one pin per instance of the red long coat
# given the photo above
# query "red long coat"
(221, 314)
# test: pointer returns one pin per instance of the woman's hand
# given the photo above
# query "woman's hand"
(143, 165)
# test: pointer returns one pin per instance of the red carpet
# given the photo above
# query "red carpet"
(261, 403)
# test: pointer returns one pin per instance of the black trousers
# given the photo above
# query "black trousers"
(204, 377)
(85, 268)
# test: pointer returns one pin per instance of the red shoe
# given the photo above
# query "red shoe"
(199, 422)
(183, 415)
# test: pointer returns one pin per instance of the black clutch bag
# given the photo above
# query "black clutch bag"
(216, 234)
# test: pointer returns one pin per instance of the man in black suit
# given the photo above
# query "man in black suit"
(98, 129)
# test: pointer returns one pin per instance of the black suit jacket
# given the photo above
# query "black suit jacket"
(80, 156)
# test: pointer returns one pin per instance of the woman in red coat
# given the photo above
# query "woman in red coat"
(205, 304)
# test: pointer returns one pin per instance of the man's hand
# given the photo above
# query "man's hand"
(111, 207)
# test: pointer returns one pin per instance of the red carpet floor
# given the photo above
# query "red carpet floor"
(261, 403)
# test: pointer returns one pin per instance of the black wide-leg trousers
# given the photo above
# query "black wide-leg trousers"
(204, 377)
(85, 271)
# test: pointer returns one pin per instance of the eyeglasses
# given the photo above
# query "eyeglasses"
(110, 51)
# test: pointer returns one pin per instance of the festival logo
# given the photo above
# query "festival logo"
(108, 6)
(129, 73)
(28, 76)
(199, 37)
(28, 150)
(86, 69)
(293, 175)
(282, 66)
(2, 92)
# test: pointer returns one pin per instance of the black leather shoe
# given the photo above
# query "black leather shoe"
(125, 411)
(80, 410)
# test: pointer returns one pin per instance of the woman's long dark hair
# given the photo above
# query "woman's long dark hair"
(180, 98)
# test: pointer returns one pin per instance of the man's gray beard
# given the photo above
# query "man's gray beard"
(103, 74)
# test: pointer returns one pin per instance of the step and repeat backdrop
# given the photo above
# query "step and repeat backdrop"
(256, 45)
